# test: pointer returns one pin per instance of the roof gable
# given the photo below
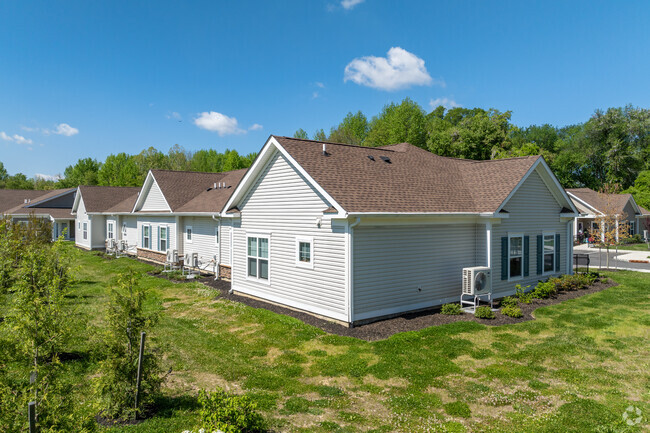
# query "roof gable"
(602, 203)
(100, 199)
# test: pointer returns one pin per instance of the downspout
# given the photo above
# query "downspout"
(351, 272)
(218, 259)
(488, 240)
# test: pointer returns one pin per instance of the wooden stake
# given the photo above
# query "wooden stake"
(137, 384)
(31, 413)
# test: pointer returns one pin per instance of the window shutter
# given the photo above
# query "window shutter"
(504, 258)
(557, 252)
(159, 238)
(540, 254)
(526, 256)
(142, 237)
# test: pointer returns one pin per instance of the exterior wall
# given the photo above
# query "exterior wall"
(532, 211)
(203, 240)
(283, 206)
(98, 231)
(154, 201)
(225, 239)
(80, 219)
(630, 216)
(59, 226)
(155, 222)
(403, 268)
(131, 237)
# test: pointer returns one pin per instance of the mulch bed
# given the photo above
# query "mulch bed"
(406, 322)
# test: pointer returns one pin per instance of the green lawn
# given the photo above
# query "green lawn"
(574, 369)
(635, 247)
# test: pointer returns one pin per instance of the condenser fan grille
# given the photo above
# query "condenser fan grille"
(480, 281)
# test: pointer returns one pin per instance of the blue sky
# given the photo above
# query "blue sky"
(86, 79)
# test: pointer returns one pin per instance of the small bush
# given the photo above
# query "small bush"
(544, 290)
(451, 309)
(511, 311)
(229, 413)
(458, 408)
(522, 296)
(484, 312)
(509, 301)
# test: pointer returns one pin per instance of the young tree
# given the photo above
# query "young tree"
(613, 223)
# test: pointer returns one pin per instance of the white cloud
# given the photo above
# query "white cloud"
(48, 176)
(65, 129)
(173, 115)
(319, 84)
(219, 123)
(314, 95)
(349, 4)
(19, 139)
(445, 102)
(398, 70)
(255, 127)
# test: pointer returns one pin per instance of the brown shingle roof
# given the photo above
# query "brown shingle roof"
(108, 198)
(644, 211)
(187, 191)
(17, 198)
(603, 203)
(414, 181)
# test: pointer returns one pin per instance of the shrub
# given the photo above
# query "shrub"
(509, 301)
(511, 311)
(522, 296)
(451, 309)
(484, 312)
(229, 413)
(126, 319)
(544, 290)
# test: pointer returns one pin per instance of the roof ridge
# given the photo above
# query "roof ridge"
(338, 144)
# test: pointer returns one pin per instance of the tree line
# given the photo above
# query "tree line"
(611, 148)
(123, 169)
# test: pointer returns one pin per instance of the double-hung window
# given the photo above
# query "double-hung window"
(146, 237)
(85, 231)
(304, 252)
(631, 226)
(163, 238)
(515, 256)
(549, 252)
(258, 257)
(110, 230)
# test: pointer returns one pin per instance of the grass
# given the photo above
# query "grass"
(576, 368)
(634, 247)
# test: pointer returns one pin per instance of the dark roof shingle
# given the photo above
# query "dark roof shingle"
(108, 198)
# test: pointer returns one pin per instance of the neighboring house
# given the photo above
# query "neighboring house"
(54, 205)
(595, 206)
(179, 210)
(103, 213)
(356, 233)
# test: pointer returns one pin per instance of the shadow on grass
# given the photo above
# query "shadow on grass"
(167, 406)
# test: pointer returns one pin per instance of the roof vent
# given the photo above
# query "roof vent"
(325, 149)
(215, 185)
(385, 159)
(370, 157)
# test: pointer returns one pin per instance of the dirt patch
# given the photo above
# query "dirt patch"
(383, 329)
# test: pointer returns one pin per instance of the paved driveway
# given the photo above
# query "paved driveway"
(598, 259)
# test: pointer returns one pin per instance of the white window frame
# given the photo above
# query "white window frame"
(544, 271)
(521, 276)
(85, 231)
(166, 238)
(188, 239)
(216, 236)
(148, 238)
(257, 278)
(305, 240)
(110, 230)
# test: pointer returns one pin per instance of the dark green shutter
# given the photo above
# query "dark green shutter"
(504, 258)
(540, 254)
(526, 256)
(557, 252)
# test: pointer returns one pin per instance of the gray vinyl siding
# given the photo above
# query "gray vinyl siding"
(156, 222)
(402, 268)
(630, 216)
(203, 239)
(532, 211)
(224, 239)
(131, 237)
(154, 201)
(80, 219)
(284, 206)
